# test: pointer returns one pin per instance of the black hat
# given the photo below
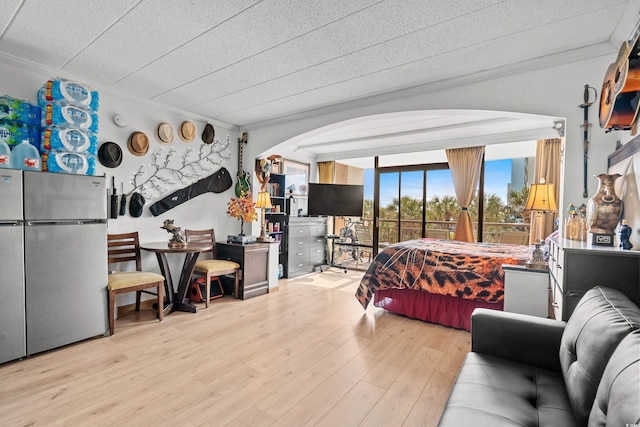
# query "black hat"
(136, 204)
(110, 154)
(208, 134)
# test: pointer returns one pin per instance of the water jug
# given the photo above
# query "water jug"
(5, 155)
(25, 156)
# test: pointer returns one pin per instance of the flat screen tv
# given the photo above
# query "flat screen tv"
(335, 200)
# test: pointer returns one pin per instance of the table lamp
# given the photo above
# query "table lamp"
(541, 199)
(263, 202)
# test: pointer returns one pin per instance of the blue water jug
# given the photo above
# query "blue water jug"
(26, 157)
(5, 155)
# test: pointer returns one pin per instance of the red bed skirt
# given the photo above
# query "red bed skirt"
(434, 308)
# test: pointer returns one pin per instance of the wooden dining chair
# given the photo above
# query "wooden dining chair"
(125, 248)
(211, 269)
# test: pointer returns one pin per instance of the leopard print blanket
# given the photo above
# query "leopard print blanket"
(446, 267)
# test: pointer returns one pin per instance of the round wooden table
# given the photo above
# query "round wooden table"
(176, 300)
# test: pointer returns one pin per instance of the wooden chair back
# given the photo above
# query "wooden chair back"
(124, 247)
(206, 236)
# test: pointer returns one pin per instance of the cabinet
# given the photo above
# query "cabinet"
(526, 290)
(254, 266)
(306, 245)
(575, 267)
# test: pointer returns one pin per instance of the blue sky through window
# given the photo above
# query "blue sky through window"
(497, 179)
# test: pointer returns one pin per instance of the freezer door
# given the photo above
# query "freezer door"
(66, 284)
(58, 196)
(12, 316)
(10, 194)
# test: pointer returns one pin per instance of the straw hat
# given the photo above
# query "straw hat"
(208, 134)
(110, 154)
(138, 144)
(164, 133)
(187, 131)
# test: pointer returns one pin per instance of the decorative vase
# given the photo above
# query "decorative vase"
(605, 207)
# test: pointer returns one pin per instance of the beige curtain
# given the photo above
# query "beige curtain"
(465, 165)
(326, 172)
(547, 168)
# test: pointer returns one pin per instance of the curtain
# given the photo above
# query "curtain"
(465, 165)
(547, 168)
(326, 172)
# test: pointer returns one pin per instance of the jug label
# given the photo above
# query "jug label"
(32, 163)
(4, 159)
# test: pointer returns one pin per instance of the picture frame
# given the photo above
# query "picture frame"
(296, 177)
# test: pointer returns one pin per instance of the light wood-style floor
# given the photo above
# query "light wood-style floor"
(304, 355)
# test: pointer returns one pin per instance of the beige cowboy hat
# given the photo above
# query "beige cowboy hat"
(164, 133)
(187, 131)
(138, 144)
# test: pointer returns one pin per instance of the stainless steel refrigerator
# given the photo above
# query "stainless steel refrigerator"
(64, 257)
(13, 342)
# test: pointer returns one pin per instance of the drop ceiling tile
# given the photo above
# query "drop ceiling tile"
(62, 31)
(143, 35)
(341, 37)
(263, 26)
(358, 75)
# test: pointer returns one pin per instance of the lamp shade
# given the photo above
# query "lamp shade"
(264, 200)
(542, 198)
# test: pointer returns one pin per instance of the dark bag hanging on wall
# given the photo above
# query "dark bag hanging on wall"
(215, 183)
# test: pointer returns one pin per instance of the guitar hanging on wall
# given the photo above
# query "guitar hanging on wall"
(242, 184)
(620, 96)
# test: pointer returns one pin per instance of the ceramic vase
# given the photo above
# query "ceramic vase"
(605, 207)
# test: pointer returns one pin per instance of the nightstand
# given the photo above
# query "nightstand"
(526, 290)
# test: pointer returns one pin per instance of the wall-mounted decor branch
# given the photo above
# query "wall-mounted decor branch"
(170, 168)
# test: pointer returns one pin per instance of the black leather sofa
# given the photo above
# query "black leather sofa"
(529, 371)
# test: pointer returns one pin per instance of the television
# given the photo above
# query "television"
(335, 200)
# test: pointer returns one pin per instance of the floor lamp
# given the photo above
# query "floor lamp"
(542, 199)
(263, 203)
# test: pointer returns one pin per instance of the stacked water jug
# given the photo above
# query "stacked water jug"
(69, 141)
(19, 134)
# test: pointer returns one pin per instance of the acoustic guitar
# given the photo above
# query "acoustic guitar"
(242, 184)
(621, 89)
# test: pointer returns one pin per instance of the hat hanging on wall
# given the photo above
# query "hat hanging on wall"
(208, 134)
(138, 144)
(164, 133)
(187, 131)
(136, 204)
(110, 154)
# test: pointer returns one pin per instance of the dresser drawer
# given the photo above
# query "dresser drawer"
(298, 232)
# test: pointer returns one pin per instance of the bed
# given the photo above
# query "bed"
(439, 281)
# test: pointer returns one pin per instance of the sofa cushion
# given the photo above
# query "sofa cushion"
(602, 318)
(491, 391)
(617, 401)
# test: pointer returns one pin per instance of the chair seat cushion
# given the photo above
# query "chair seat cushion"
(210, 266)
(128, 279)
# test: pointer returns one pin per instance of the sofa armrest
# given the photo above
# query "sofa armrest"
(518, 337)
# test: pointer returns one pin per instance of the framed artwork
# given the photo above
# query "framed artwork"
(296, 177)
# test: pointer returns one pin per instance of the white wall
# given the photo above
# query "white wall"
(555, 91)
(205, 211)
